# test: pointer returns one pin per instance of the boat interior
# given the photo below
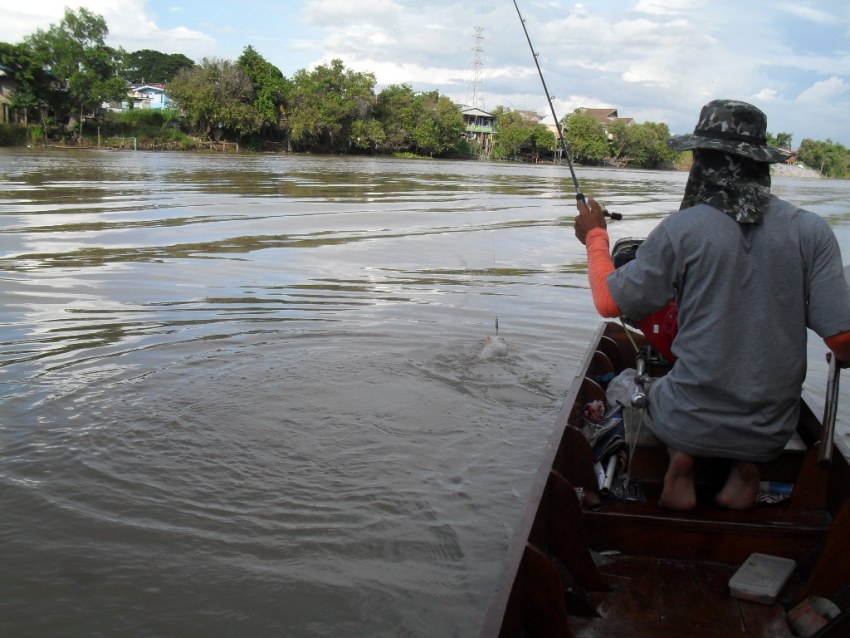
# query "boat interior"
(589, 566)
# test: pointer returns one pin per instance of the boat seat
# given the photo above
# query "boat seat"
(708, 532)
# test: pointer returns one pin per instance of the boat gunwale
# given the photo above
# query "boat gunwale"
(510, 567)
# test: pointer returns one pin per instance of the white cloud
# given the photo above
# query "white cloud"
(663, 7)
(24, 20)
(808, 13)
(336, 12)
(389, 72)
(131, 24)
(824, 91)
(766, 95)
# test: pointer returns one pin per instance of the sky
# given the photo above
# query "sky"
(652, 60)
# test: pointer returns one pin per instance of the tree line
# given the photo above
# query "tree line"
(329, 109)
(589, 142)
(65, 73)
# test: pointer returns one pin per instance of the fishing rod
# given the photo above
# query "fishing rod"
(579, 195)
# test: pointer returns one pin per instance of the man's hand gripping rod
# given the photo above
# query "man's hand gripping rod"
(579, 195)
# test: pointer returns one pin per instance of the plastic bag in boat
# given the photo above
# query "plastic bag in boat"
(621, 388)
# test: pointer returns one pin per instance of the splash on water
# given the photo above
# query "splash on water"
(494, 347)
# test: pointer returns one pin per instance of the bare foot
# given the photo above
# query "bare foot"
(679, 492)
(742, 486)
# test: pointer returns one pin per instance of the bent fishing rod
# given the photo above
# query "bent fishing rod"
(579, 195)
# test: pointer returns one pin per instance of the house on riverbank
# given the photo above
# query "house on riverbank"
(605, 116)
(479, 129)
(7, 88)
(149, 96)
(142, 96)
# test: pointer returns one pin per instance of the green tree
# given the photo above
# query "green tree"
(586, 138)
(661, 153)
(543, 140)
(423, 123)
(326, 102)
(511, 134)
(780, 140)
(84, 71)
(271, 88)
(155, 67)
(397, 111)
(516, 136)
(216, 97)
(828, 157)
(439, 125)
(32, 81)
(368, 135)
(640, 145)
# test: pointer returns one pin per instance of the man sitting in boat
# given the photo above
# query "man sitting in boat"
(749, 272)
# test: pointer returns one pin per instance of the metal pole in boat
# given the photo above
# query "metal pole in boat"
(830, 410)
(579, 195)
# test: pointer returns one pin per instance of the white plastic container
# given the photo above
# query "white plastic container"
(761, 578)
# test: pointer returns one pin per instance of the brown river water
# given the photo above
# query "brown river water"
(242, 396)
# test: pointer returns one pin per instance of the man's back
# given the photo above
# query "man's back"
(742, 292)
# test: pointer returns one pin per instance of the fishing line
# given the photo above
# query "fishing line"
(579, 195)
(494, 275)
(632, 449)
(629, 335)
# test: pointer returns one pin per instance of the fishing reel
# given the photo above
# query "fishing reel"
(613, 216)
(581, 198)
(639, 399)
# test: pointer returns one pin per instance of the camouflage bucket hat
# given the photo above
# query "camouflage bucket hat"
(732, 127)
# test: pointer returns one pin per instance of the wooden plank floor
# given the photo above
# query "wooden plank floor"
(658, 598)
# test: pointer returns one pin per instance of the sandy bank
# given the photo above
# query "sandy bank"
(792, 170)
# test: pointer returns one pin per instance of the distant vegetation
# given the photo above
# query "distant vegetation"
(65, 75)
(828, 157)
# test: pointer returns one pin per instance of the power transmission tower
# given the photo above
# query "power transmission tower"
(477, 101)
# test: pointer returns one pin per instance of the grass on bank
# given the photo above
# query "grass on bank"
(139, 128)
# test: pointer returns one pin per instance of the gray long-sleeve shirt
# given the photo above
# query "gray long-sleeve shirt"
(746, 294)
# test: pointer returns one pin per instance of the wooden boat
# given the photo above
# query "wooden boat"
(627, 568)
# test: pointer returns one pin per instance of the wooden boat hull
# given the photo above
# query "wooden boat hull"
(632, 569)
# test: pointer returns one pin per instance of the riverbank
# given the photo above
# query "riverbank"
(192, 144)
(794, 170)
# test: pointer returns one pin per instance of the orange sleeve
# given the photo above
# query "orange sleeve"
(840, 345)
(599, 266)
